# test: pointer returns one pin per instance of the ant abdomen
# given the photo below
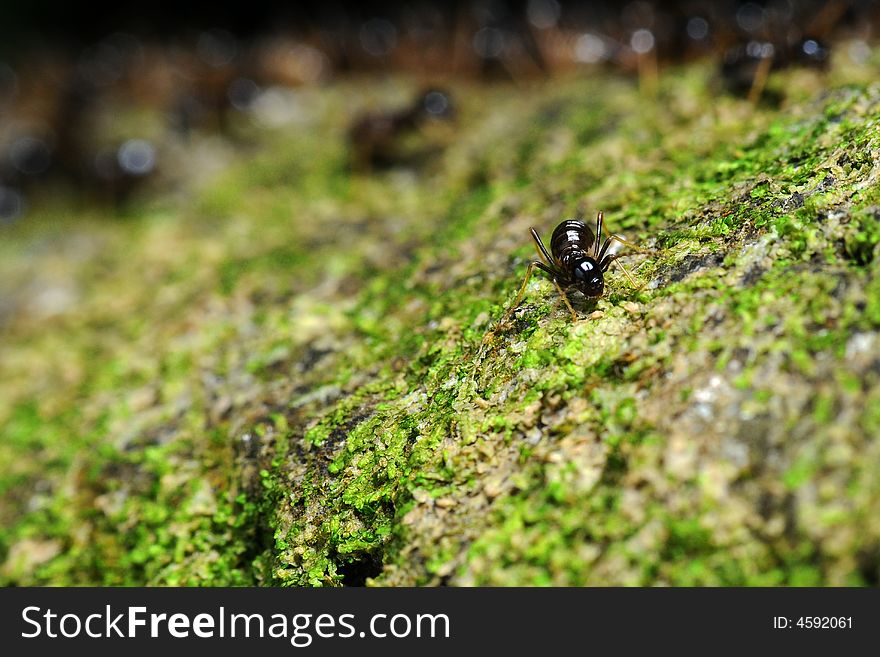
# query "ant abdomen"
(569, 237)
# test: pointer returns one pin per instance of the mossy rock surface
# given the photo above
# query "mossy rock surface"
(299, 376)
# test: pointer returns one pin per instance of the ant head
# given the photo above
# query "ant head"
(587, 277)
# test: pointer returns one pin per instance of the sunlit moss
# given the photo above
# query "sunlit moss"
(302, 378)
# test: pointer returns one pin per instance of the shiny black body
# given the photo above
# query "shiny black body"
(576, 259)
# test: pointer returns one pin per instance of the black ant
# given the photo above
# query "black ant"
(571, 265)
(746, 66)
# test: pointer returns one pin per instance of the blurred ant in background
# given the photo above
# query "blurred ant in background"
(772, 39)
(54, 134)
(87, 117)
(375, 138)
(745, 67)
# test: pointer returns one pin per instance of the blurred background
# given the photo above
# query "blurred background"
(151, 98)
(224, 225)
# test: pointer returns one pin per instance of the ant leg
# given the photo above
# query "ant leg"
(565, 299)
(606, 262)
(542, 250)
(522, 288)
(599, 219)
(625, 242)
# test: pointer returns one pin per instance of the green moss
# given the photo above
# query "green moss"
(310, 377)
